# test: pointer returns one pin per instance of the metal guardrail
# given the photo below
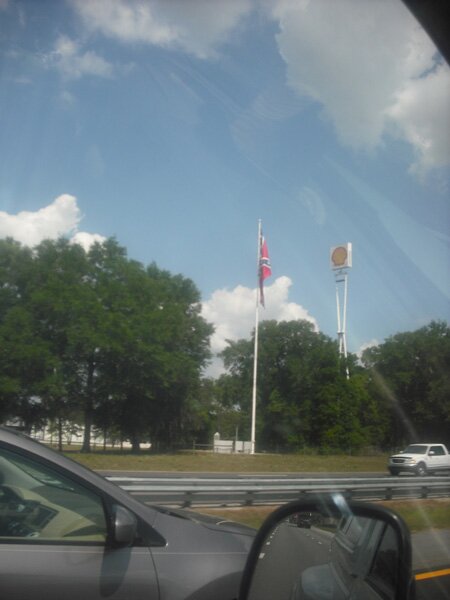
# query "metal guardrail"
(253, 491)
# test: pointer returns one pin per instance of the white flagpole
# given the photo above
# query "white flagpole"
(255, 355)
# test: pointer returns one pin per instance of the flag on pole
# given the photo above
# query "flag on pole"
(265, 269)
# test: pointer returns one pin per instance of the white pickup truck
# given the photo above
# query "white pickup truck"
(421, 459)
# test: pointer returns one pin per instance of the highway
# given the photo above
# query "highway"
(431, 562)
(279, 572)
(287, 574)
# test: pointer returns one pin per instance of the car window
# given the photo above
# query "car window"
(40, 505)
(438, 450)
(416, 449)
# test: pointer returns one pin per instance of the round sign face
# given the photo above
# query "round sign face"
(339, 256)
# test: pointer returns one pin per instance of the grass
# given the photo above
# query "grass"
(418, 514)
(423, 514)
(201, 462)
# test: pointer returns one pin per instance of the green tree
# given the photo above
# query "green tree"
(25, 358)
(70, 318)
(304, 397)
(154, 358)
(410, 377)
(99, 335)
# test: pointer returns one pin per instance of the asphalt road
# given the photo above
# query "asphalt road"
(431, 562)
(279, 571)
(284, 566)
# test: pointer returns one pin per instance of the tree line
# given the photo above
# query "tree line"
(95, 338)
(398, 392)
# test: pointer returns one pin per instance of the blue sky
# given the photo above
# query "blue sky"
(174, 126)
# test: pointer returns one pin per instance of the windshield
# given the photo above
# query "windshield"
(20, 469)
(148, 149)
(224, 231)
(414, 449)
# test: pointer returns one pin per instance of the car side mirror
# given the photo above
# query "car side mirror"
(325, 547)
(124, 526)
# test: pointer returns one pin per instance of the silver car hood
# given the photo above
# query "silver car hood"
(211, 522)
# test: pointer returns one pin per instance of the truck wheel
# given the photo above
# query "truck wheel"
(393, 471)
(421, 469)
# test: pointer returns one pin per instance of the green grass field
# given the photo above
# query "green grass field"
(222, 463)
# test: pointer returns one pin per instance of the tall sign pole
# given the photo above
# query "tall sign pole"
(341, 262)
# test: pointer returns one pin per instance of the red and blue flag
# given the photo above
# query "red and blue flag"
(265, 270)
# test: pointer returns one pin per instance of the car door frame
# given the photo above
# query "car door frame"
(93, 569)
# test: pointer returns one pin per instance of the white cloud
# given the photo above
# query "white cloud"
(59, 218)
(232, 312)
(73, 63)
(422, 115)
(87, 239)
(30, 228)
(197, 26)
(369, 64)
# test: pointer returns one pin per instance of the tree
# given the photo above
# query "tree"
(25, 358)
(157, 346)
(98, 334)
(304, 398)
(228, 408)
(25, 363)
(410, 377)
(71, 319)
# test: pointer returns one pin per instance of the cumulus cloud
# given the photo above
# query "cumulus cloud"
(369, 65)
(197, 26)
(73, 62)
(87, 239)
(232, 312)
(422, 117)
(59, 218)
(372, 68)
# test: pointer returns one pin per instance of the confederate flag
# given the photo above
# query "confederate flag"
(265, 269)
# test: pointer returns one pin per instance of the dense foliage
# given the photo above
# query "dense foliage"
(398, 393)
(410, 378)
(304, 396)
(97, 339)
